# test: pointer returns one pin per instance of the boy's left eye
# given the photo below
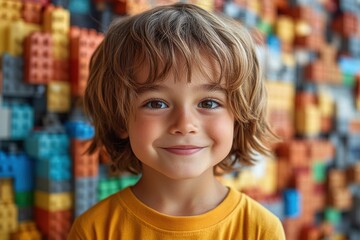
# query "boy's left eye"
(210, 104)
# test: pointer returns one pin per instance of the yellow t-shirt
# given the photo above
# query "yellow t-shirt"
(123, 216)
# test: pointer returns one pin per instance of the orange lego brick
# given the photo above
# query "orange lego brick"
(294, 151)
(315, 72)
(84, 165)
(340, 198)
(326, 124)
(310, 232)
(38, 58)
(336, 178)
(304, 99)
(281, 123)
(83, 43)
(31, 12)
(354, 126)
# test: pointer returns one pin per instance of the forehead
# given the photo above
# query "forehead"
(203, 68)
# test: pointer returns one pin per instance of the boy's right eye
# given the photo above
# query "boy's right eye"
(156, 104)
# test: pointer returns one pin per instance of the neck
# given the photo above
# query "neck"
(185, 197)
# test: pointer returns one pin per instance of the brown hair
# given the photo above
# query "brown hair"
(160, 37)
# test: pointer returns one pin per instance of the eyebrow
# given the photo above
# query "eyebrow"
(203, 87)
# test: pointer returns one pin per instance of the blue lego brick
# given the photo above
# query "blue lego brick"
(79, 7)
(42, 145)
(22, 121)
(52, 186)
(349, 65)
(80, 130)
(13, 84)
(19, 167)
(85, 193)
(292, 203)
(6, 167)
(354, 46)
(56, 167)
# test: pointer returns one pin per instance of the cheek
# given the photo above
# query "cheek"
(144, 130)
(222, 131)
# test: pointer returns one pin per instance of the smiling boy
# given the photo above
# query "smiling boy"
(175, 93)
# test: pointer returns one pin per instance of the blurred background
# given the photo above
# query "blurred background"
(310, 56)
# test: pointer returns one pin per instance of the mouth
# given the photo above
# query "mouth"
(183, 149)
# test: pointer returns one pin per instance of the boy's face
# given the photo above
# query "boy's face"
(181, 130)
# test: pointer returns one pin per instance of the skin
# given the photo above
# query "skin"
(180, 131)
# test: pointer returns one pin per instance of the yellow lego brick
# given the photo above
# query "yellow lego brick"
(53, 201)
(308, 120)
(205, 4)
(18, 31)
(58, 96)
(137, 6)
(10, 10)
(56, 20)
(280, 95)
(8, 217)
(326, 104)
(26, 231)
(285, 29)
(61, 46)
(4, 31)
(4, 235)
(6, 191)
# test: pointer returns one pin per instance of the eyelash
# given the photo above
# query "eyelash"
(148, 103)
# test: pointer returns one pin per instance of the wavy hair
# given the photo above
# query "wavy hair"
(159, 38)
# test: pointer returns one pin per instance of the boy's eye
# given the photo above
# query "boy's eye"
(210, 104)
(156, 104)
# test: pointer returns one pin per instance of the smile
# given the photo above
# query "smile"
(183, 150)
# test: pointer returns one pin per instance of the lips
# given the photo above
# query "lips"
(183, 149)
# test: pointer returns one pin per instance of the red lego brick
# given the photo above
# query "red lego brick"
(346, 24)
(38, 58)
(61, 70)
(54, 225)
(294, 151)
(281, 123)
(304, 98)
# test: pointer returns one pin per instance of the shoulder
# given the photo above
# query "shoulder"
(259, 220)
(98, 215)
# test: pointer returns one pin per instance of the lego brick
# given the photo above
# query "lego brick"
(84, 165)
(53, 224)
(80, 130)
(79, 7)
(19, 167)
(53, 201)
(83, 43)
(5, 114)
(8, 217)
(61, 70)
(307, 121)
(60, 46)
(292, 203)
(13, 85)
(10, 10)
(346, 24)
(56, 20)
(6, 191)
(22, 120)
(58, 97)
(38, 58)
(106, 187)
(26, 230)
(4, 29)
(25, 214)
(85, 194)
(353, 173)
(31, 12)
(276, 206)
(24, 199)
(42, 145)
(52, 186)
(56, 167)
(18, 30)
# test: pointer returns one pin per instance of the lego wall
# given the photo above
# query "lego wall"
(310, 57)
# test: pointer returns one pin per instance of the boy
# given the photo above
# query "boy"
(175, 94)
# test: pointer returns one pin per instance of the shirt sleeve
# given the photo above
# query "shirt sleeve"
(77, 231)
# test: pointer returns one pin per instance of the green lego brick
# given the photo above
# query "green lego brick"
(319, 172)
(332, 215)
(24, 199)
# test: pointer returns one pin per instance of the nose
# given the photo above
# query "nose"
(184, 121)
